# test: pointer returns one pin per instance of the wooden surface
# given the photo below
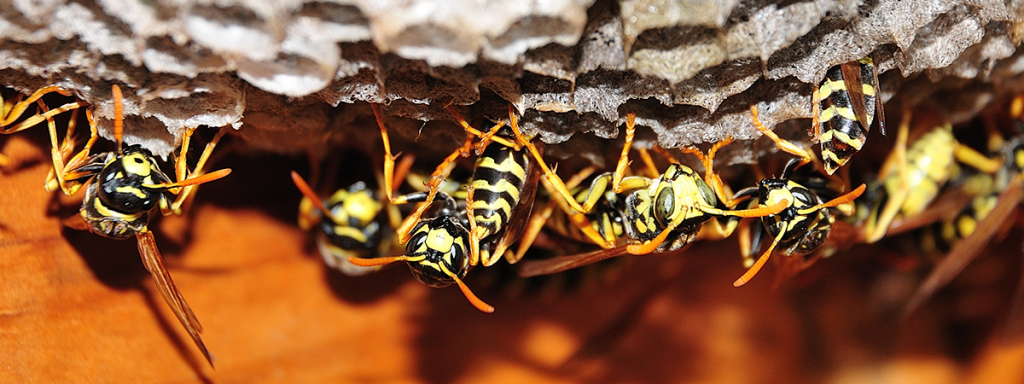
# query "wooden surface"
(75, 307)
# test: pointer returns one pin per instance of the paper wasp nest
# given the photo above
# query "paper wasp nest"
(288, 73)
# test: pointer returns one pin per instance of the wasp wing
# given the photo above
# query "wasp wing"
(524, 209)
(855, 88)
(154, 263)
(532, 268)
(967, 249)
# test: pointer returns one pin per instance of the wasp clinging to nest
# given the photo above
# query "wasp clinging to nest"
(803, 226)
(436, 238)
(662, 214)
(844, 107)
(353, 222)
(123, 188)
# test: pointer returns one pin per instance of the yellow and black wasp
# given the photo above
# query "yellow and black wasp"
(844, 107)
(661, 214)
(123, 188)
(912, 177)
(963, 236)
(500, 194)
(352, 222)
(13, 109)
(436, 238)
(803, 226)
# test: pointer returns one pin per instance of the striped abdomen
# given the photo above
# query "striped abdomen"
(842, 132)
(498, 181)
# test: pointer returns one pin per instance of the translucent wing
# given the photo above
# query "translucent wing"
(967, 249)
(154, 263)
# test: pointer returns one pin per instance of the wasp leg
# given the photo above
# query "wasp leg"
(474, 234)
(539, 218)
(784, 145)
(878, 224)
(969, 156)
(533, 228)
(559, 186)
(645, 156)
(710, 176)
(436, 178)
(440, 174)
(58, 151)
(760, 261)
(485, 138)
(187, 181)
(623, 163)
(13, 114)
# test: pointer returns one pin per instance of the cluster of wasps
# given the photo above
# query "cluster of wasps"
(123, 188)
(474, 222)
(513, 196)
(443, 228)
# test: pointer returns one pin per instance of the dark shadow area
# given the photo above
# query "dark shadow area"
(183, 345)
(367, 288)
(117, 264)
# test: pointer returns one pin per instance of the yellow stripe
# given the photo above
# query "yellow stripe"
(509, 166)
(132, 190)
(106, 212)
(500, 204)
(503, 185)
(136, 164)
(350, 232)
(868, 90)
(844, 138)
(831, 112)
(828, 87)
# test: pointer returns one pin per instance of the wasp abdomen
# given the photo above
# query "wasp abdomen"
(843, 132)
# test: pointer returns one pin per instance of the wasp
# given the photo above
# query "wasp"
(912, 177)
(844, 107)
(500, 195)
(357, 221)
(662, 214)
(123, 188)
(352, 222)
(963, 236)
(11, 110)
(437, 245)
(803, 226)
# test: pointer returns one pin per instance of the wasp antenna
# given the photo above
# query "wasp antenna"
(760, 262)
(118, 115)
(651, 246)
(853, 195)
(479, 304)
(303, 187)
(760, 211)
(376, 261)
(193, 180)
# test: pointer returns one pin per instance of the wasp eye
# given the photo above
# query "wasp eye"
(707, 193)
(138, 160)
(664, 206)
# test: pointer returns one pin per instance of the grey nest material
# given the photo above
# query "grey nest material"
(290, 73)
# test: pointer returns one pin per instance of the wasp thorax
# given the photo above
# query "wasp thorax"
(124, 181)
